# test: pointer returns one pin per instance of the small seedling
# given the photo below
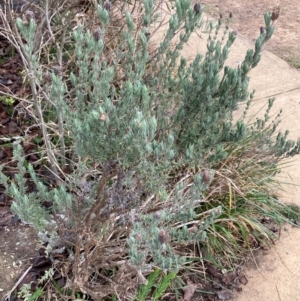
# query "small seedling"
(9, 101)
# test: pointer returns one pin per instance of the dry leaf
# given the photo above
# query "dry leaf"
(80, 19)
(224, 294)
(238, 288)
(141, 278)
(275, 13)
(103, 117)
(243, 279)
(229, 277)
(212, 270)
(189, 291)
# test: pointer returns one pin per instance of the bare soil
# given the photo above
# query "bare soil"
(17, 250)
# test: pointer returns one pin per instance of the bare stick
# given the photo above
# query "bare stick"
(7, 297)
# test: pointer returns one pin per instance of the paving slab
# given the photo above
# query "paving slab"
(272, 77)
(275, 276)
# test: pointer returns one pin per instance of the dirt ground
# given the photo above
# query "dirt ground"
(17, 249)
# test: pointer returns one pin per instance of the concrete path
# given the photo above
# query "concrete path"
(276, 275)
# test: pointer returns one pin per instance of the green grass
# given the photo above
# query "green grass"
(246, 189)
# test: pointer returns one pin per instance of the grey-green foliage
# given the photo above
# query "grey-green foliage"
(144, 237)
(130, 133)
(170, 116)
(28, 33)
(151, 115)
(28, 204)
